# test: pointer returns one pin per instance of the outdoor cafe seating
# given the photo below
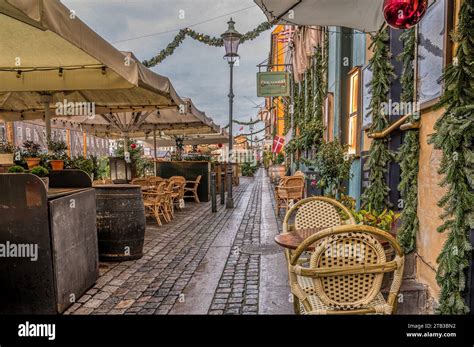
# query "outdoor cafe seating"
(336, 266)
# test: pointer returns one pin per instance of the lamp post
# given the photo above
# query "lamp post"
(231, 40)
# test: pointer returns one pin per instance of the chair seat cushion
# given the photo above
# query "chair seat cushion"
(320, 308)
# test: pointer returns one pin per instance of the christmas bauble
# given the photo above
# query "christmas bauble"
(220, 145)
(133, 146)
(404, 14)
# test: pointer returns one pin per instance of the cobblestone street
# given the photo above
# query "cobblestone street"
(201, 263)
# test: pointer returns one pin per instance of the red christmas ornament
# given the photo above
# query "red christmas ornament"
(220, 145)
(404, 14)
(133, 146)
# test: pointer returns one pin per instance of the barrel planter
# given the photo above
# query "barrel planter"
(120, 222)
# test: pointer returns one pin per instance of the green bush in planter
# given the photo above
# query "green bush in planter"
(39, 171)
(16, 169)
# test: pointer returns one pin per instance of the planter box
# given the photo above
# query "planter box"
(189, 170)
(6, 159)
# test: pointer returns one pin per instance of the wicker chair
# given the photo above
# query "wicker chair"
(143, 182)
(155, 201)
(316, 212)
(192, 189)
(289, 190)
(179, 183)
(345, 272)
(154, 180)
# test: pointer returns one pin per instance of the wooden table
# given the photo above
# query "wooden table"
(293, 239)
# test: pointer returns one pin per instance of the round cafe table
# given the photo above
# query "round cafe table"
(293, 239)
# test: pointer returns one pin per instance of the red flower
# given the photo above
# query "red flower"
(314, 183)
(133, 146)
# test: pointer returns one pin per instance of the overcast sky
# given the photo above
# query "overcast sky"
(196, 70)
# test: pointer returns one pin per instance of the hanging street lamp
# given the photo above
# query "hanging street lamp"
(231, 40)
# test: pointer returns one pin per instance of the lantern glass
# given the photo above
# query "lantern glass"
(231, 40)
(120, 170)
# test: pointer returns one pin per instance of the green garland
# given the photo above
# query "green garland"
(242, 123)
(206, 39)
(376, 194)
(454, 133)
(409, 151)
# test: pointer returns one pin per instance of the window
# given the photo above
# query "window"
(3, 133)
(35, 135)
(28, 134)
(329, 117)
(19, 135)
(354, 96)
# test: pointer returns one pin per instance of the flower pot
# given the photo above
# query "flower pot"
(32, 162)
(57, 165)
(6, 158)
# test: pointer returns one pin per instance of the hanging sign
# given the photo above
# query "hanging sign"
(273, 83)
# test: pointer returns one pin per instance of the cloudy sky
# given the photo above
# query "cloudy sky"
(196, 70)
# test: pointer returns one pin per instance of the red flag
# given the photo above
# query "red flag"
(241, 128)
(278, 143)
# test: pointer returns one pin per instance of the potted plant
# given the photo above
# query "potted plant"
(16, 169)
(58, 150)
(41, 172)
(31, 153)
(384, 220)
(6, 153)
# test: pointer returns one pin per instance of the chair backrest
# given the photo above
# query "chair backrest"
(140, 181)
(293, 187)
(299, 173)
(317, 212)
(198, 180)
(154, 180)
(347, 268)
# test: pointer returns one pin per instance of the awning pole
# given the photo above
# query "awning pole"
(46, 99)
(154, 150)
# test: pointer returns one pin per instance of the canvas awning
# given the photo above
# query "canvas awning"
(45, 51)
(363, 15)
(171, 121)
(199, 139)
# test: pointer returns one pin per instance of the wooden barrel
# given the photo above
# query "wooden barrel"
(120, 222)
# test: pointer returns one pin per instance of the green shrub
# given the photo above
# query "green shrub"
(39, 171)
(16, 169)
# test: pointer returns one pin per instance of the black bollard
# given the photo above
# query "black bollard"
(213, 192)
(222, 187)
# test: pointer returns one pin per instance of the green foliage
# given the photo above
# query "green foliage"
(376, 194)
(57, 149)
(135, 149)
(333, 163)
(7, 147)
(31, 149)
(208, 40)
(280, 158)
(144, 167)
(16, 169)
(383, 220)
(81, 163)
(248, 169)
(454, 133)
(409, 151)
(39, 171)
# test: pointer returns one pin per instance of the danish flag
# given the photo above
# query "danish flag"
(278, 143)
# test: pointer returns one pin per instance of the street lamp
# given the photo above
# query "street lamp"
(231, 40)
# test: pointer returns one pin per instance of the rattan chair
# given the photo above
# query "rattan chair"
(155, 203)
(345, 272)
(142, 181)
(290, 190)
(317, 212)
(179, 183)
(193, 189)
(154, 180)
(314, 212)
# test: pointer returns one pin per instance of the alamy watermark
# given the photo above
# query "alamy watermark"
(70, 108)
(19, 250)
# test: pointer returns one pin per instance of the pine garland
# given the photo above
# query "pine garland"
(409, 151)
(454, 133)
(376, 194)
(206, 39)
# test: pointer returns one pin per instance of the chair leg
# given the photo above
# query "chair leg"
(196, 198)
(157, 217)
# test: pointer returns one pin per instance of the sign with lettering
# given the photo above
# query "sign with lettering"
(273, 83)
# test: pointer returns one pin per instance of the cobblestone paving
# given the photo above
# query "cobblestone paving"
(237, 290)
(153, 284)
